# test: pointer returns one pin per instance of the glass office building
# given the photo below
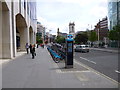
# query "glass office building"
(113, 18)
(113, 13)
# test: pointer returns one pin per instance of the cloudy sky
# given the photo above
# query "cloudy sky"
(85, 14)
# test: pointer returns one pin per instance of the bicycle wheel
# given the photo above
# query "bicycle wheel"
(57, 60)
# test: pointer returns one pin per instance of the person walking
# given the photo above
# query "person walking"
(30, 48)
(33, 51)
(27, 47)
(37, 45)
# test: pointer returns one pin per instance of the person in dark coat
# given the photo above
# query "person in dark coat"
(27, 47)
(33, 51)
(37, 45)
(30, 48)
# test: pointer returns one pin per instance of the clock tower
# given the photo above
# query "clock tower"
(72, 29)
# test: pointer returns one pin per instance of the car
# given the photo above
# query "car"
(82, 48)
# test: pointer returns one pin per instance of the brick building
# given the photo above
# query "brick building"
(102, 29)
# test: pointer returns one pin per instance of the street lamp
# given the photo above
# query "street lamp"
(48, 34)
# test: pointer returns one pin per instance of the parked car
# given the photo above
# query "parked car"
(82, 48)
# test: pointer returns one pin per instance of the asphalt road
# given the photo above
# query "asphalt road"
(103, 62)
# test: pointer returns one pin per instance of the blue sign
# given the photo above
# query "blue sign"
(69, 38)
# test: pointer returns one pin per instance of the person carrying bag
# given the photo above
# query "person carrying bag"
(33, 52)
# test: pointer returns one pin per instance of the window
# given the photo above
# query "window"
(28, 8)
(24, 5)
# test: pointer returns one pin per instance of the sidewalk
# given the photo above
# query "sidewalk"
(2, 61)
(43, 72)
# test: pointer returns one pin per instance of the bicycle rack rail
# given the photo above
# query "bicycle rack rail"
(56, 53)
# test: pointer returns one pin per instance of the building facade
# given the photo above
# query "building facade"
(63, 34)
(102, 29)
(113, 18)
(113, 13)
(41, 30)
(18, 26)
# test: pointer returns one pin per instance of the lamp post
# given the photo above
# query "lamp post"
(99, 32)
(49, 35)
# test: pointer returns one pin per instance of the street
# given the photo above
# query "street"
(103, 62)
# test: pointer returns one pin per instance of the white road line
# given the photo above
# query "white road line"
(117, 71)
(88, 60)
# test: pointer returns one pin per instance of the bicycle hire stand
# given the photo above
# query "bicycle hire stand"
(69, 52)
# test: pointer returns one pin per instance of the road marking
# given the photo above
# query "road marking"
(88, 60)
(117, 71)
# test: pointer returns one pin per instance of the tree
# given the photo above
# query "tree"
(114, 34)
(38, 38)
(60, 39)
(92, 36)
(81, 38)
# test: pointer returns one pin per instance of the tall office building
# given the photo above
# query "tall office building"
(18, 26)
(41, 30)
(113, 18)
(113, 13)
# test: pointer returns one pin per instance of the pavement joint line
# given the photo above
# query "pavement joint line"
(82, 77)
(72, 71)
(60, 71)
(88, 60)
(81, 64)
(98, 73)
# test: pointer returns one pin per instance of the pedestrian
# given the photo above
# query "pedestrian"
(27, 47)
(30, 48)
(37, 46)
(33, 51)
(42, 45)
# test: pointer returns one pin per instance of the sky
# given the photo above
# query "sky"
(85, 14)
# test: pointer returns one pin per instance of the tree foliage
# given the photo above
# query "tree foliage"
(39, 39)
(92, 36)
(60, 39)
(114, 34)
(81, 38)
